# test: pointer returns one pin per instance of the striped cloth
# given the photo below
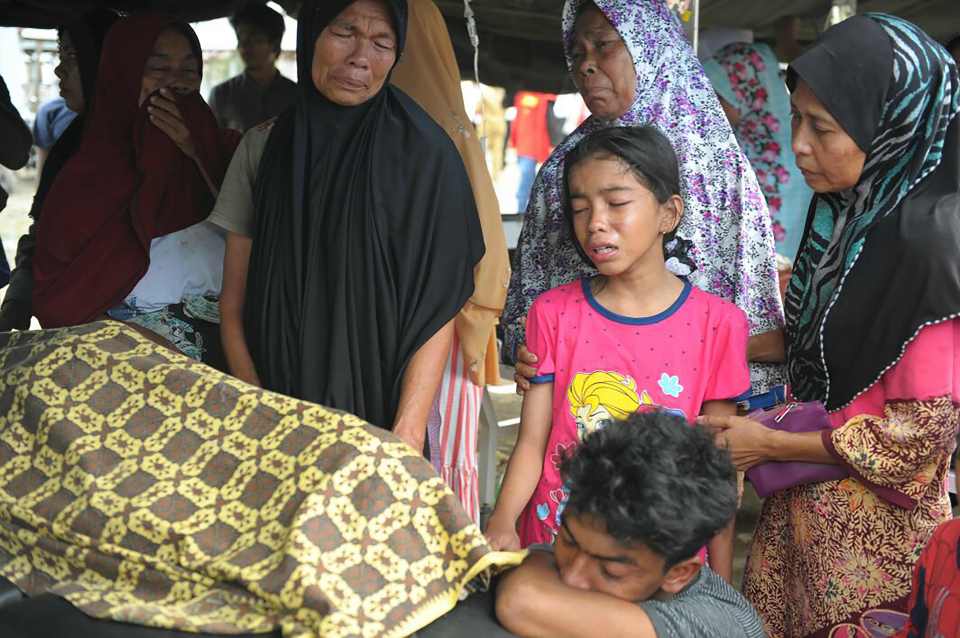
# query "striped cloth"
(452, 431)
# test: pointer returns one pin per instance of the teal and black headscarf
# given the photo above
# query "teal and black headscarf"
(880, 261)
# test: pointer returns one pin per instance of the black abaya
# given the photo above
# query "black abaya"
(365, 242)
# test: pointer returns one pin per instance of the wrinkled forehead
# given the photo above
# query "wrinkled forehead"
(591, 536)
(647, 28)
(591, 22)
(374, 15)
(317, 15)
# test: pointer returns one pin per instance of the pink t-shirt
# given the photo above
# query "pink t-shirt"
(606, 366)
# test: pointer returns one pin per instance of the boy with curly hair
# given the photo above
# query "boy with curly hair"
(645, 495)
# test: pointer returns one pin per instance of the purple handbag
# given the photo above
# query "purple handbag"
(774, 476)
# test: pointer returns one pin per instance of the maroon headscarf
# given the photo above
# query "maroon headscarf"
(127, 184)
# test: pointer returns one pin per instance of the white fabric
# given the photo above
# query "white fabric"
(187, 262)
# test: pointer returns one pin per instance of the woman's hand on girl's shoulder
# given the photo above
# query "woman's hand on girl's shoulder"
(525, 369)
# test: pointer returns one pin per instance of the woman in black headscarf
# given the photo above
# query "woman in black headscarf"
(80, 45)
(353, 231)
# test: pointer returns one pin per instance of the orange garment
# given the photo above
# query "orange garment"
(529, 133)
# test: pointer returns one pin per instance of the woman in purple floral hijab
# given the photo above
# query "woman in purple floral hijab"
(725, 242)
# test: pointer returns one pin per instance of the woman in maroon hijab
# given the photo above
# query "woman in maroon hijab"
(122, 231)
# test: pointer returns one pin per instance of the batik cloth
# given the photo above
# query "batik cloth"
(830, 557)
(145, 487)
(192, 327)
(881, 260)
(725, 218)
(748, 77)
(606, 366)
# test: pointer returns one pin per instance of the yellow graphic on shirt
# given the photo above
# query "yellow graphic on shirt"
(596, 398)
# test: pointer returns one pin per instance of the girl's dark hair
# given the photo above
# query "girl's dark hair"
(643, 149)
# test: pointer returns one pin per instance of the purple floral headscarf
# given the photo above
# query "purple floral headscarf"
(726, 217)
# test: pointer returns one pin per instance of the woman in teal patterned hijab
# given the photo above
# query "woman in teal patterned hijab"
(747, 79)
(873, 333)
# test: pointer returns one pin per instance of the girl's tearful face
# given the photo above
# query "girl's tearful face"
(617, 220)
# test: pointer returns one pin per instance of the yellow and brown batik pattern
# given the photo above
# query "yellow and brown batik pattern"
(828, 556)
(145, 487)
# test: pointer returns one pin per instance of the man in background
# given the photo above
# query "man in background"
(260, 92)
(788, 45)
(530, 136)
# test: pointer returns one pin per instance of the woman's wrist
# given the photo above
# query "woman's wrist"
(807, 447)
(773, 445)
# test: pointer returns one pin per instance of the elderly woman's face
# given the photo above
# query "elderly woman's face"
(828, 158)
(172, 65)
(602, 67)
(354, 53)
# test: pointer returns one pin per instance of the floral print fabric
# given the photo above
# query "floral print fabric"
(898, 455)
(748, 77)
(835, 559)
(726, 217)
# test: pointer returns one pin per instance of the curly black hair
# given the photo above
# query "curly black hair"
(643, 149)
(653, 480)
(263, 18)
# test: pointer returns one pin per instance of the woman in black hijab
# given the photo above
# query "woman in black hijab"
(361, 239)
(80, 43)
